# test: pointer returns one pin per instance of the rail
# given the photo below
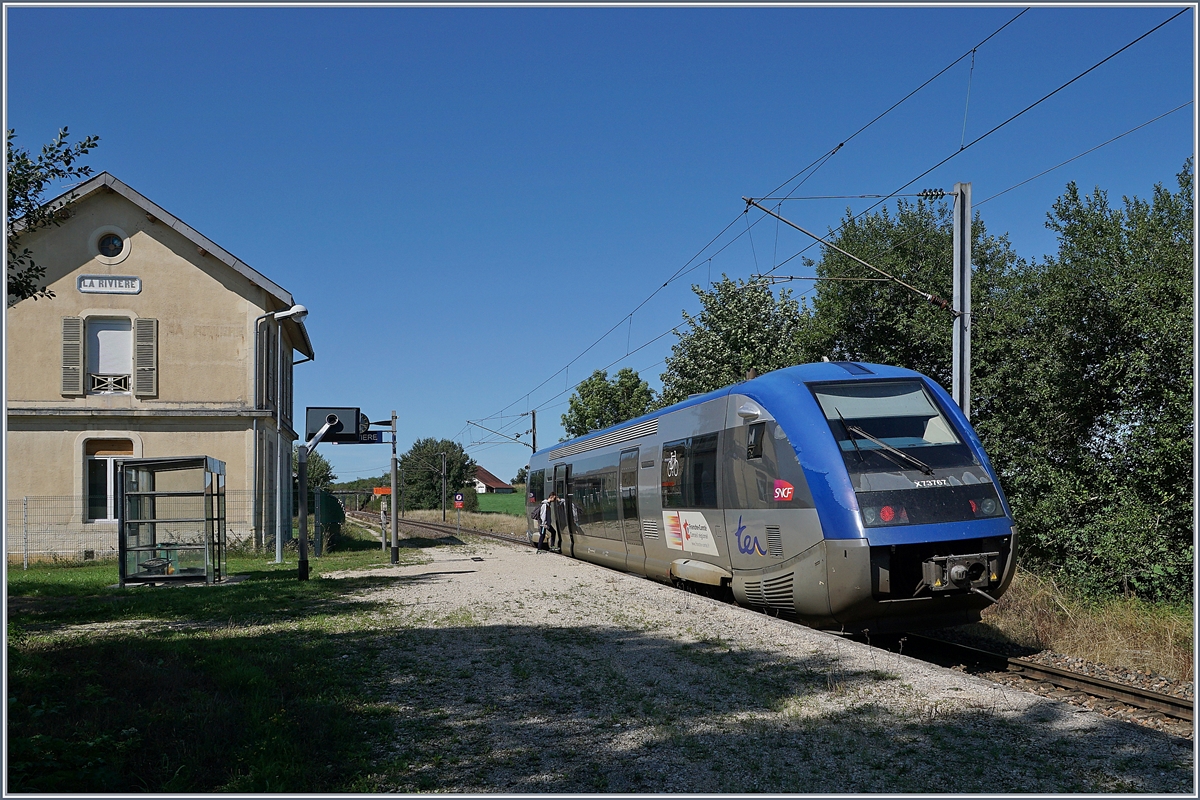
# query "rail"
(1176, 707)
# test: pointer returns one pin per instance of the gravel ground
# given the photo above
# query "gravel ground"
(510, 671)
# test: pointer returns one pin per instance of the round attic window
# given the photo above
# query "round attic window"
(110, 245)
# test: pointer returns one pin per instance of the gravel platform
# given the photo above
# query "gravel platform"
(516, 672)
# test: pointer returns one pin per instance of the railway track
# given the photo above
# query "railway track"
(1096, 693)
(440, 528)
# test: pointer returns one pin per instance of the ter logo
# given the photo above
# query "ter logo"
(784, 491)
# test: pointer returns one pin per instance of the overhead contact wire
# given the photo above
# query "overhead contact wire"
(816, 164)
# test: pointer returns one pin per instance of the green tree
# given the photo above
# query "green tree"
(28, 179)
(320, 471)
(1089, 382)
(880, 321)
(521, 477)
(422, 466)
(599, 402)
(741, 326)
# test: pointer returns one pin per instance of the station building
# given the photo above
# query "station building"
(158, 342)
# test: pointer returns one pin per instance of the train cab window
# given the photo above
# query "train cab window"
(890, 426)
(689, 472)
(771, 479)
(754, 440)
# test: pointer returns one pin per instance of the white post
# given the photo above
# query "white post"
(279, 496)
(961, 341)
(284, 458)
(395, 534)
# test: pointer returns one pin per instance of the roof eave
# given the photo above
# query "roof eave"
(106, 180)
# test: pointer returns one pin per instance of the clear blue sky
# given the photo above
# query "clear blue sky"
(465, 199)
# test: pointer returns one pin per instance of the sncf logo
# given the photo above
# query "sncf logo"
(784, 491)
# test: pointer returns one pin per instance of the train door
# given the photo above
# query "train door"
(631, 519)
(566, 503)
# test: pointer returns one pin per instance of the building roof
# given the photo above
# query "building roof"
(106, 181)
(489, 480)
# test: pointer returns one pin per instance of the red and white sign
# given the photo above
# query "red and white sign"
(784, 492)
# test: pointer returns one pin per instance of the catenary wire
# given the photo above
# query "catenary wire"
(1084, 153)
(816, 164)
(546, 404)
(980, 138)
(905, 241)
(906, 97)
(881, 201)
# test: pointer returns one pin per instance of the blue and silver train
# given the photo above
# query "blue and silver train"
(848, 496)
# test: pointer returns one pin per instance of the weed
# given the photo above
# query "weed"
(1037, 612)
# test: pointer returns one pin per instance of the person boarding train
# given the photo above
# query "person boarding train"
(547, 519)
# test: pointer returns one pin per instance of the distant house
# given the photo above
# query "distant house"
(487, 482)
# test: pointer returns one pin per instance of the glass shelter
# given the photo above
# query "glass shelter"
(171, 516)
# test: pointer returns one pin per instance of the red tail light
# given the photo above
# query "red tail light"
(887, 513)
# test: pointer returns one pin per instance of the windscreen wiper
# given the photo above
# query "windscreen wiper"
(921, 465)
(849, 435)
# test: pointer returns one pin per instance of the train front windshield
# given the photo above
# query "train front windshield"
(908, 464)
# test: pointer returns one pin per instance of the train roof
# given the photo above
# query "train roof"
(769, 388)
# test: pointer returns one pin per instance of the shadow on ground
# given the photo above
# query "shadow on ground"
(526, 709)
(281, 686)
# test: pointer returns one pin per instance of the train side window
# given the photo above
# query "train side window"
(609, 503)
(674, 464)
(537, 485)
(754, 440)
(689, 472)
(704, 471)
(772, 480)
(629, 478)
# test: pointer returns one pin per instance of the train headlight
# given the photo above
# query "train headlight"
(988, 506)
(870, 515)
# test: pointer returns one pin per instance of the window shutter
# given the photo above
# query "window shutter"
(72, 356)
(145, 357)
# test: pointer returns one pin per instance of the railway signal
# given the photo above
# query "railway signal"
(344, 425)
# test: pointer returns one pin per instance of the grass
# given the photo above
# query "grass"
(1133, 633)
(512, 504)
(247, 687)
(496, 523)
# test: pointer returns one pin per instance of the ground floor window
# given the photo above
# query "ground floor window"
(101, 475)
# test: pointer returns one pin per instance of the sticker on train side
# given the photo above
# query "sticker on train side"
(690, 532)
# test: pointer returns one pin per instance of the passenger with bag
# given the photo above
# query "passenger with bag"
(547, 520)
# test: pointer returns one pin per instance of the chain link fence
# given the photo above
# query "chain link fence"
(54, 529)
